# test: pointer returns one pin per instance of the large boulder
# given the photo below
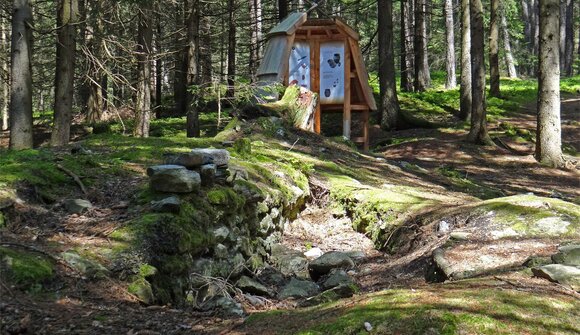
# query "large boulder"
(568, 255)
(330, 260)
(289, 262)
(173, 178)
(505, 233)
(223, 305)
(563, 274)
(190, 160)
(297, 288)
(249, 285)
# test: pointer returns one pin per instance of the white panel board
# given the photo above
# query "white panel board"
(332, 72)
(299, 64)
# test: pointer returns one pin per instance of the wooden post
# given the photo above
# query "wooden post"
(315, 79)
(366, 129)
(346, 117)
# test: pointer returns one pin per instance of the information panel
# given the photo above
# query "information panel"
(299, 65)
(332, 72)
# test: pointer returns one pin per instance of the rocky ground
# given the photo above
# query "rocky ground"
(396, 241)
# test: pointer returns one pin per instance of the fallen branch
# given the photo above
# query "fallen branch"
(74, 176)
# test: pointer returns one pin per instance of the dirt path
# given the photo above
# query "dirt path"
(507, 171)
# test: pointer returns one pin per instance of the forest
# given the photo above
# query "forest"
(290, 167)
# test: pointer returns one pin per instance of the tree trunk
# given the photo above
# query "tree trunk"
(65, 68)
(4, 79)
(388, 86)
(143, 99)
(534, 9)
(406, 49)
(158, 69)
(422, 75)
(549, 141)
(95, 101)
(478, 131)
(253, 63)
(509, 57)
(569, 43)
(562, 34)
(21, 77)
(205, 50)
(494, 50)
(191, 70)
(450, 37)
(180, 60)
(465, 88)
(231, 49)
(282, 9)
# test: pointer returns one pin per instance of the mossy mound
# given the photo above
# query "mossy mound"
(463, 308)
(25, 269)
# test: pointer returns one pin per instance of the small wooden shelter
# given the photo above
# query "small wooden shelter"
(323, 56)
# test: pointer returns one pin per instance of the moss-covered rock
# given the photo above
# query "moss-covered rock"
(25, 269)
(142, 289)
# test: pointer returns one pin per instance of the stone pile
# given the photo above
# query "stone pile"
(186, 172)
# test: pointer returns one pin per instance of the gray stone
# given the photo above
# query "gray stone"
(220, 234)
(189, 160)
(77, 206)
(207, 173)
(225, 306)
(337, 278)
(443, 227)
(252, 194)
(563, 274)
(272, 277)
(249, 285)
(336, 293)
(220, 251)
(328, 261)
(297, 288)
(568, 255)
(356, 255)
(173, 178)
(142, 289)
(289, 262)
(170, 204)
(266, 225)
(219, 157)
(85, 267)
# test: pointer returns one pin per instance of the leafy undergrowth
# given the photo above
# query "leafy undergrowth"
(462, 308)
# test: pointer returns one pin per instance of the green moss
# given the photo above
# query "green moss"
(451, 309)
(243, 146)
(25, 269)
(225, 196)
(142, 289)
(146, 270)
(2, 221)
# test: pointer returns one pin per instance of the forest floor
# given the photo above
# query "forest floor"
(440, 157)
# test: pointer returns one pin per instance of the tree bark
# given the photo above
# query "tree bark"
(406, 46)
(549, 141)
(387, 83)
(144, 44)
(231, 49)
(205, 50)
(158, 68)
(21, 76)
(4, 78)
(422, 75)
(478, 130)
(94, 26)
(509, 57)
(65, 67)
(494, 50)
(191, 70)
(282, 9)
(450, 37)
(465, 88)
(569, 42)
(255, 27)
